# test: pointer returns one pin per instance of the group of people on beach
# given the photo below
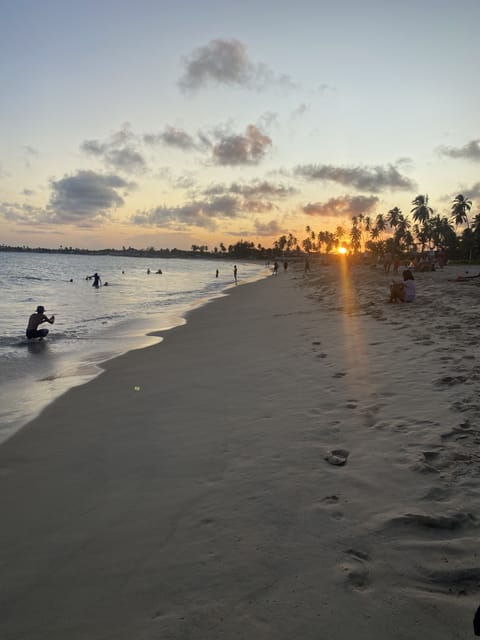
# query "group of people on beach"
(425, 261)
(404, 291)
(36, 319)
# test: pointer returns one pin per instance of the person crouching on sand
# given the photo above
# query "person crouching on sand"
(404, 291)
(35, 320)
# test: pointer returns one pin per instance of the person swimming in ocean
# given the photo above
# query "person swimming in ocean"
(36, 319)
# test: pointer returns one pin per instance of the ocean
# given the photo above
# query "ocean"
(91, 325)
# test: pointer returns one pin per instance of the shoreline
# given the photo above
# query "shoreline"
(62, 371)
(202, 504)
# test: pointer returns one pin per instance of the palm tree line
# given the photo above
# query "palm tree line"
(400, 233)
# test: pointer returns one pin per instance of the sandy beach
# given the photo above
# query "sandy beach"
(300, 460)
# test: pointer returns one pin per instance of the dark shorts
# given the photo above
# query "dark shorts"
(36, 333)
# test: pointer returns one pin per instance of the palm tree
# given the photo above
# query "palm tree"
(439, 229)
(402, 227)
(282, 242)
(321, 239)
(307, 245)
(476, 225)
(291, 241)
(421, 211)
(329, 241)
(340, 233)
(422, 235)
(355, 235)
(311, 233)
(460, 208)
(393, 216)
(473, 234)
(380, 224)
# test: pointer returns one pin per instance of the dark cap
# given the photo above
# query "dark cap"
(40, 309)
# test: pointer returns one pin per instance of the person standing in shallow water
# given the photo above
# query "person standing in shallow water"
(235, 271)
(96, 280)
(36, 319)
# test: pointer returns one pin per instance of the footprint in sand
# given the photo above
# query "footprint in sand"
(330, 499)
(370, 415)
(337, 457)
(449, 381)
(355, 570)
(340, 374)
(451, 522)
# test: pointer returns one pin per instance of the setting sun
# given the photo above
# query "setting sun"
(342, 250)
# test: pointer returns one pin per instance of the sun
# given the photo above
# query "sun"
(342, 250)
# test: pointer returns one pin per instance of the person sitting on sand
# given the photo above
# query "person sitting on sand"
(404, 291)
(35, 320)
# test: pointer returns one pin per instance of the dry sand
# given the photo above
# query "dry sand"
(205, 504)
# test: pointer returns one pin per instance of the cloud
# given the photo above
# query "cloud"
(84, 197)
(342, 206)
(20, 213)
(226, 147)
(255, 189)
(267, 120)
(29, 150)
(227, 62)
(198, 214)
(300, 111)
(258, 206)
(237, 149)
(469, 151)
(267, 228)
(473, 191)
(81, 199)
(219, 203)
(173, 137)
(256, 197)
(470, 193)
(119, 151)
(362, 178)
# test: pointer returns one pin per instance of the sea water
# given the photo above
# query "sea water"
(91, 325)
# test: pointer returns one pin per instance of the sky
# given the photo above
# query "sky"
(172, 123)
